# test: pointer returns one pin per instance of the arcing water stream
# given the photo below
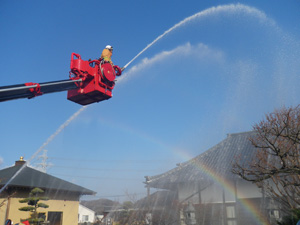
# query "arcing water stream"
(63, 126)
(232, 8)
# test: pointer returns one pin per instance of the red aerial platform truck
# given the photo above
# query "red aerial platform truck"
(89, 81)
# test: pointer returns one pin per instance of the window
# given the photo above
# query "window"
(55, 218)
(275, 213)
(85, 218)
(230, 213)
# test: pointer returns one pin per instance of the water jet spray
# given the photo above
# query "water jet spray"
(218, 9)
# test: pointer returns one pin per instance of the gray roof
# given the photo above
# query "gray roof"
(31, 178)
(217, 160)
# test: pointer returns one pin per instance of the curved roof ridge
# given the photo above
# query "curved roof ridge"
(217, 159)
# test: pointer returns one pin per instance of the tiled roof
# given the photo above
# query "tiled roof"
(216, 161)
(31, 178)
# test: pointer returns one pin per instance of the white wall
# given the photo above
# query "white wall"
(85, 214)
(187, 189)
(246, 189)
(214, 193)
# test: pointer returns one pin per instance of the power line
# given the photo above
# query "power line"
(115, 196)
(105, 169)
(109, 160)
(98, 178)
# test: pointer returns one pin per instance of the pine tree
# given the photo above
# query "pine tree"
(33, 202)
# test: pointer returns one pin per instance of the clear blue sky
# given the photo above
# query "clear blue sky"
(217, 74)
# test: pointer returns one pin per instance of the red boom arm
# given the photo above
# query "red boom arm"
(90, 81)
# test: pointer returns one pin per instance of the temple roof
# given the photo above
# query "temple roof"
(214, 163)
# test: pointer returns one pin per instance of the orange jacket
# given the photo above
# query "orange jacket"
(106, 55)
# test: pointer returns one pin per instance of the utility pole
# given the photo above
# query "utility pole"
(43, 165)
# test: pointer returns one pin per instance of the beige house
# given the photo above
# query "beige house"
(63, 196)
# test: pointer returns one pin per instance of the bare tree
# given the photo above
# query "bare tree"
(6, 198)
(2, 203)
(276, 165)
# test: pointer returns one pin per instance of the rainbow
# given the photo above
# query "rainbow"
(228, 186)
(231, 8)
(181, 153)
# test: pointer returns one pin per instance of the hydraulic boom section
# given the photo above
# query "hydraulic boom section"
(89, 82)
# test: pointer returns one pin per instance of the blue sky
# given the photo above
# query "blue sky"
(219, 73)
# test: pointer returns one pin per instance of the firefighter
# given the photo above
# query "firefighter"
(106, 54)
